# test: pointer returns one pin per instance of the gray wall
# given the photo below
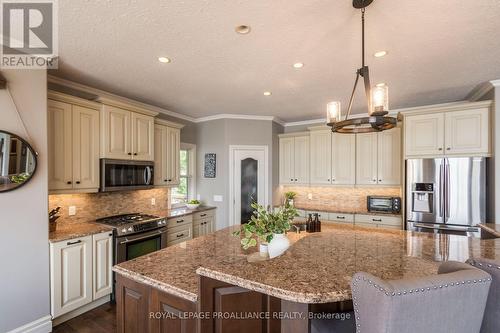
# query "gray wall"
(24, 295)
(215, 137)
(188, 132)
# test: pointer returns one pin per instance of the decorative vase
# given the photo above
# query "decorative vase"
(263, 249)
(278, 245)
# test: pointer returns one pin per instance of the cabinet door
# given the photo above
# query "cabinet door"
(321, 157)
(424, 134)
(343, 159)
(301, 160)
(115, 133)
(160, 172)
(142, 137)
(467, 132)
(71, 274)
(198, 229)
(287, 159)
(102, 245)
(366, 159)
(173, 155)
(59, 145)
(389, 157)
(85, 148)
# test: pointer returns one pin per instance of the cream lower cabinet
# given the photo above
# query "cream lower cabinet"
(294, 159)
(80, 272)
(167, 153)
(203, 223)
(379, 221)
(455, 130)
(70, 275)
(378, 158)
(73, 144)
(126, 134)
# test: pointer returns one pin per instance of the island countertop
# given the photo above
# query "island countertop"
(317, 268)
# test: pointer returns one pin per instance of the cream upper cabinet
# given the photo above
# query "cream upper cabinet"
(73, 144)
(287, 160)
(102, 275)
(85, 148)
(321, 157)
(424, 134)
(467, 132)
(366, 158)
(457, 129)
(301, 160)
(70, 274)
(142, 137)
(167, 153)
(126, 134)
(389, 157)
(115, 133)
(294, 159)
(343, 159)
(59, 120)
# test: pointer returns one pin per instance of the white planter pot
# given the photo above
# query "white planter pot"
(263, 249)
(278, 245)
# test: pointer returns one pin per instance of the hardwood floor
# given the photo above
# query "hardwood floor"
(99, 320)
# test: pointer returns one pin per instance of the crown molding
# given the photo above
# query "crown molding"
(238, 116)
(305, 122)
(482, 89)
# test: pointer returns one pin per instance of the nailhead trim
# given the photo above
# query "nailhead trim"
(473, 262)
(404, 292)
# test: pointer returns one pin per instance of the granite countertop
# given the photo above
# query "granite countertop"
(176, 212)
(66, 231)
(492, 228)
(316, 269)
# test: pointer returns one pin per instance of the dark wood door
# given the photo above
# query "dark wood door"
(171, 314)
(132, 302)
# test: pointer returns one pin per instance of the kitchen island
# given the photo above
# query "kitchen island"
(210, 277)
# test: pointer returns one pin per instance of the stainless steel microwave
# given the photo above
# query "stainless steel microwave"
(125, 175)
(383, 204)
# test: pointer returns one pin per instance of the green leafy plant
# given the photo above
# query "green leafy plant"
(194, 202)
(20, 178)
(264, 223)
(289, 196)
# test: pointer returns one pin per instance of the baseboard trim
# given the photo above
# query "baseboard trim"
(41, 325)
(75, 313)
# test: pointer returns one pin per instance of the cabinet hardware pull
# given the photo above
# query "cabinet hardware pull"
(341, 217)
(380, 180)
(333, 180)
(68, 182)
(448, 148)
(75, 242)
(328, 179)
(291, 180)
(129, 153)
(110, 234)
(440, 148)
(374, 180)
(165, 180)
(296, 180)
(202, 215)
(377, 220)
(78, 182)
(135, 153)
(180, 235)
(180, 221)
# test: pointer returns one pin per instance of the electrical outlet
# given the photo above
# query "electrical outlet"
(153, 201)
(309, 196)
(72, 210)
(218, 198)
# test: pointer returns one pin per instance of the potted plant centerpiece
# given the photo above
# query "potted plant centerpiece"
(289, 197)
(269, 228)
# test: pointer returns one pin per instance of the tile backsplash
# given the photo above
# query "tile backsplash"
(90, 206)
(344, 199)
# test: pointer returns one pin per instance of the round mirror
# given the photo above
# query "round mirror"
(17, 161)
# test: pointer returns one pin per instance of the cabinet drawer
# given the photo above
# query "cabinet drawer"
(207, 220)
(379, 220)
(342, 218)
(203, 215)
(179, 221)
(179, 234)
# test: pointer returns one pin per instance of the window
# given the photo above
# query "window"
(186, 189)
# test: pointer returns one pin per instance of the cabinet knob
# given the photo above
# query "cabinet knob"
(333, 180)
(165, 180)
(440, 148)
(374, 180)
(291, 180)
(380, 180)
(78, 182)
(135, 154)
(68, 182)
(328, 179)
(129, 153)
(448, 148)
(296, 180)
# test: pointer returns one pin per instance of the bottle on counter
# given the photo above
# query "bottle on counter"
(309, 224)
(317, 223)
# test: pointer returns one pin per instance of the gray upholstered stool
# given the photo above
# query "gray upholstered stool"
(452, 301)
(491, 320)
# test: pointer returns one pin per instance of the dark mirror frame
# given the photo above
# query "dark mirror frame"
(35, 159)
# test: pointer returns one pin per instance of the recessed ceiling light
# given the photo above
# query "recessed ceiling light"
(298, 65)
(243, 29)
(164, 60)
(267, 93)
(380, 54)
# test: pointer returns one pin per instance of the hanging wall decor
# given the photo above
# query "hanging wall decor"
(210, 170)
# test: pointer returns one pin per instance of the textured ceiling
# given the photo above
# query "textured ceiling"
(438, 51)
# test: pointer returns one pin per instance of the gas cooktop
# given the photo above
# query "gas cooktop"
(127, 224)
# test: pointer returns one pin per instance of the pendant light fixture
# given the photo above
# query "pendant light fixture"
(377, 98)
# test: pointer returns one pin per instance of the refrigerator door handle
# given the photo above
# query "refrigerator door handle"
(441, 190)
(447, 189)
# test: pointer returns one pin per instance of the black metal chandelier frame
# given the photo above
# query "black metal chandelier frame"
(377, 121)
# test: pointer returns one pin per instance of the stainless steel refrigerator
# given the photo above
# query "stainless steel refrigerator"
(446, 195)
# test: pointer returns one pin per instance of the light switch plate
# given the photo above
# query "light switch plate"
(153, 201)
(309, 196)
(72, 210)
(218, 198)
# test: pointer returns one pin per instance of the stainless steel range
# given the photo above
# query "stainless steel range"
(136, 234)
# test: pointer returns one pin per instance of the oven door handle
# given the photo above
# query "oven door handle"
(147, 175)
(158, 232)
